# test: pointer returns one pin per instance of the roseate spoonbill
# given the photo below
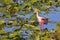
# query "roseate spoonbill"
(41, 20)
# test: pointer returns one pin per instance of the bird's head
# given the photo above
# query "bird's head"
(35, 12)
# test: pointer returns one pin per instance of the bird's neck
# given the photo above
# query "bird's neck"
(37, 14)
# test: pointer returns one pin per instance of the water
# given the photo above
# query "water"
(9, 29)
(54, 16)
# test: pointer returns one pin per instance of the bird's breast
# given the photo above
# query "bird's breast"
(42, 20)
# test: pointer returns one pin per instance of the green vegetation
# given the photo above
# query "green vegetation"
(12, 9)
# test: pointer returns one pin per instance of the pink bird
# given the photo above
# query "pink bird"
(41, 20)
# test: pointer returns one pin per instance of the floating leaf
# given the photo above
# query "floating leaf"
(57, 26)
(2, 31)
(48, 7)
(7, 1)
(11, 21)
(1, 22)
(35, 9)
(46, 38)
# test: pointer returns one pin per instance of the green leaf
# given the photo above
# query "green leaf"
(37, 37)
(7, 1)
(2, 31)
(1, 22)
(33, 17)
(46, 38)
(57, 26)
